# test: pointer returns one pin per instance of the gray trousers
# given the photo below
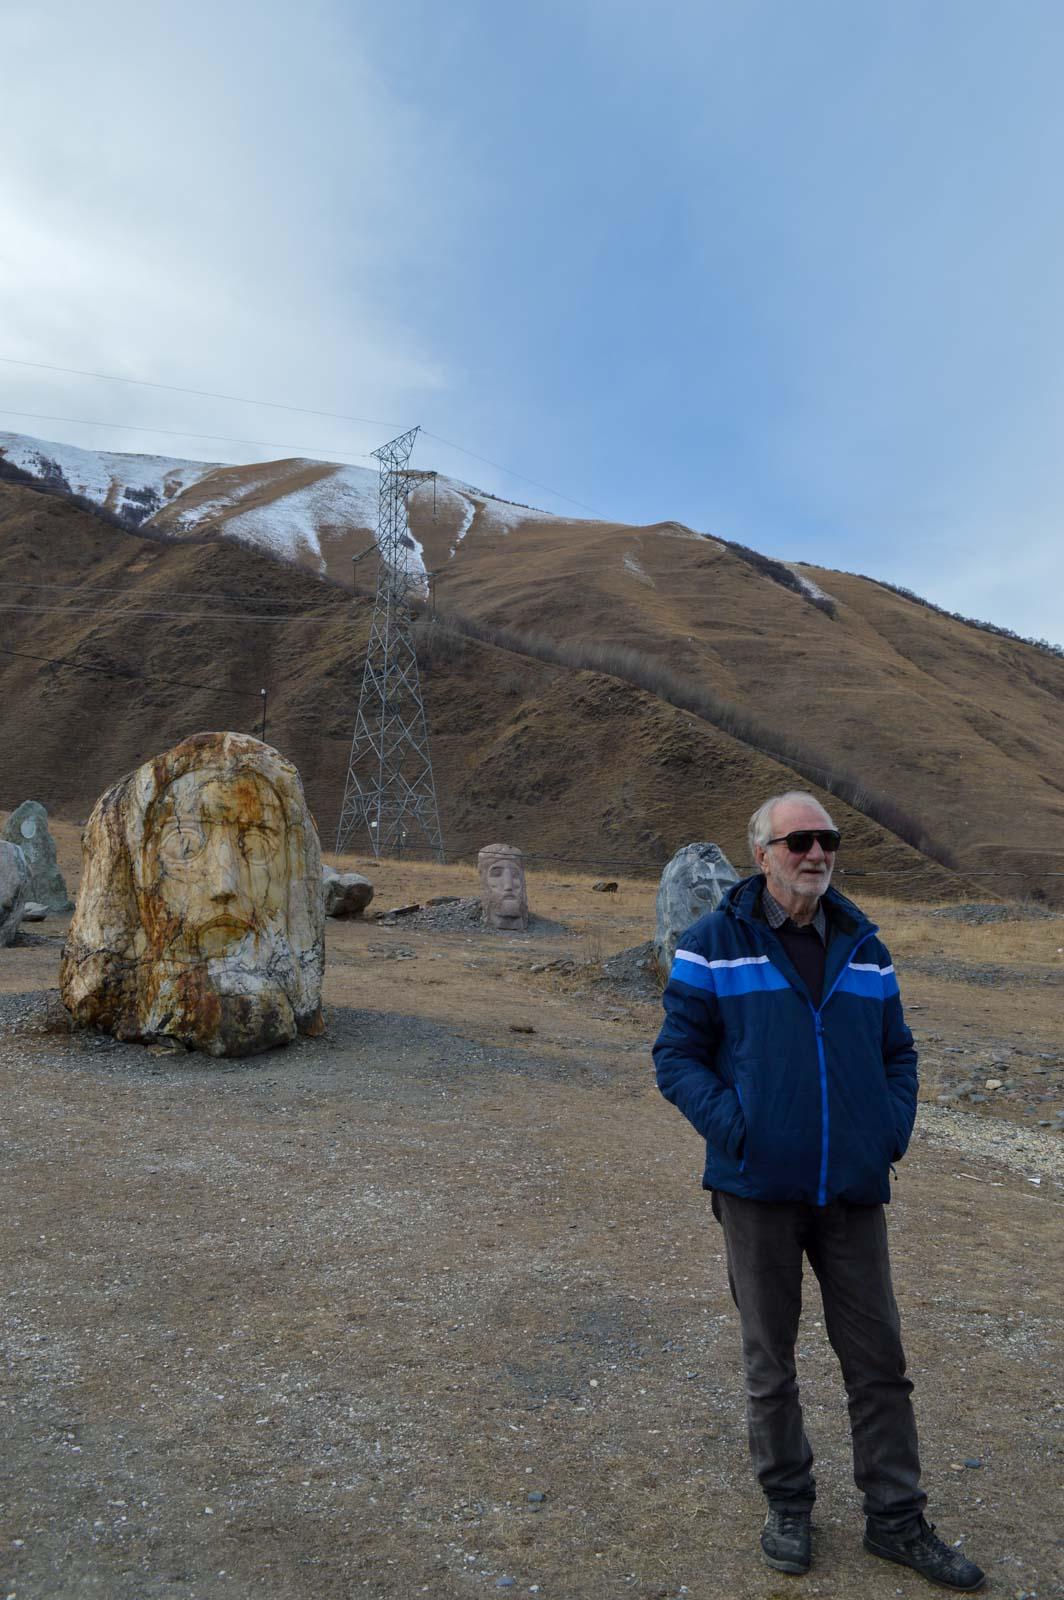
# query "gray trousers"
(847, 1249)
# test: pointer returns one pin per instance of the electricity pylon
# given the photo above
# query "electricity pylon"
(390, 789)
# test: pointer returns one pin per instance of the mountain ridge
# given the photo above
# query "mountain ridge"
(834, 677)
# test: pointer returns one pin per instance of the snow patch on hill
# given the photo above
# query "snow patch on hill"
(504, 515)
(813, 590)
(134, 487)
(290, 524)
(448, 500)
(284, 507)
(635, 568)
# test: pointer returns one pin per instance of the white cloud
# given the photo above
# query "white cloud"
(211, 197)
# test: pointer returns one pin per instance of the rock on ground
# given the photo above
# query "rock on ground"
(27, 826)
(694, 882)
(14, 877)
(200, 913)
(347, 894)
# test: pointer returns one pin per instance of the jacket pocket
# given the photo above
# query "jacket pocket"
(742, 1153)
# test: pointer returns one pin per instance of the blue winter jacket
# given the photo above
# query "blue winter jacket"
(794, 1102)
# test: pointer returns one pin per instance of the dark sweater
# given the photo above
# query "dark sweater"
(808, 954)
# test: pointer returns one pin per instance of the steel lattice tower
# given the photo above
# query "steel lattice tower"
(390, 789)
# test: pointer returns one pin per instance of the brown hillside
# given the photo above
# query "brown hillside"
(574, 765)
(964, 727)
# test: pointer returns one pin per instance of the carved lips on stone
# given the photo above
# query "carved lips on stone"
(200, 914)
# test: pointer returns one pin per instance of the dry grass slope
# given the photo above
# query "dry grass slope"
(694, 694)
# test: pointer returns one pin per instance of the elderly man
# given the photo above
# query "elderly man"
(785, 1046)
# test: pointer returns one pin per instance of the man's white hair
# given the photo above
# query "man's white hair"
(760, 828)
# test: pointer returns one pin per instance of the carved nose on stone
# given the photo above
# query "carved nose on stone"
(224, 869)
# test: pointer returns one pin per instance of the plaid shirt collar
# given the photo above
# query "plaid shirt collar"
(775, 916)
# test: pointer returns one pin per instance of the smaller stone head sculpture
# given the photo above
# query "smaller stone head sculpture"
(200, 912)
(694, 881)
(502, 887)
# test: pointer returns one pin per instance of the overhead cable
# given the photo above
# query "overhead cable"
(274, 405)
(509, 473)
(184, 616)
(176, 433)
(203, 394)
(87, 590)
(126, 677)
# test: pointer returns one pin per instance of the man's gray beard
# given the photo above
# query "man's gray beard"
(814, 891)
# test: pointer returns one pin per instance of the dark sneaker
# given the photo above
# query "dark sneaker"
(785, 1540)
(927, 1555)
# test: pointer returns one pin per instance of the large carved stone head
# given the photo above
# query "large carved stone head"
(200, 912)
(502, 887)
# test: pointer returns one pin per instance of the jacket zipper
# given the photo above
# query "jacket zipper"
(822, 1069)
(825, 1124)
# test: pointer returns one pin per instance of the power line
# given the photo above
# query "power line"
(126, 677)
(185, 616)
(174, 433)
(184, 594)
(274, 405)
(203, 394)
(510, 474)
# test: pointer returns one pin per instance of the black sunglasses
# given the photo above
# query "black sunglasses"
(801, 840)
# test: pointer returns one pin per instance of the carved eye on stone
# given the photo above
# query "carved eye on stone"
(179, 845)
(258, 845)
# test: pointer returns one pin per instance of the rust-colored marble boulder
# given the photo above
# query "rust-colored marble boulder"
(200, 913)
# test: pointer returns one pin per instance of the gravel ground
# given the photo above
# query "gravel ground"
(463, 914)
(1029, 1151)
(980, 914)
(632, 972)
(434, 1304)
(981, 975)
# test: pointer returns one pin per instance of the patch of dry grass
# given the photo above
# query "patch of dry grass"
(912, 930)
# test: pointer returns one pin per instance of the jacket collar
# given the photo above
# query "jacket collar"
(743, 901)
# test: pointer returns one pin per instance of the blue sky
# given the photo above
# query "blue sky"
(790, 274)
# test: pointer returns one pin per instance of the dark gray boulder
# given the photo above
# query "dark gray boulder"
(347, 894)
(694, 882)
(27, 826)
(14, 877)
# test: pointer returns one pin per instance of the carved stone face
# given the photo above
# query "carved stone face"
(200, 912)
(693, 882)
(502, 887)
(214, 864)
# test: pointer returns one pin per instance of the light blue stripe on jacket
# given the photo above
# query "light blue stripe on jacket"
(746, 975)
(869, 980)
